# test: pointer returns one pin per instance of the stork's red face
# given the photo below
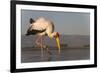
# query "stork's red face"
(56, 36)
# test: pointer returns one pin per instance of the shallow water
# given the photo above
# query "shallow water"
(34, 54)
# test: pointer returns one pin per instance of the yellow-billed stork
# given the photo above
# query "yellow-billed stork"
(43, 27)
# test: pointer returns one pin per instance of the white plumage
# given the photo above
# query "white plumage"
(43, 24)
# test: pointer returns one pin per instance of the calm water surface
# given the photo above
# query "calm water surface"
(31, 55)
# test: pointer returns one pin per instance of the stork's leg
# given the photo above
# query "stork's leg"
(41, 40)
(44, 46)
(38, 41)
(48, 51)
(41, 48)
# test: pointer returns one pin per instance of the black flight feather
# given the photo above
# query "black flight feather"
(34, 31)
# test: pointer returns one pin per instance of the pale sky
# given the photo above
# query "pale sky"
(69, 23)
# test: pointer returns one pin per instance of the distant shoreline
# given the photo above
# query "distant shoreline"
(77, 41)
(62, 35)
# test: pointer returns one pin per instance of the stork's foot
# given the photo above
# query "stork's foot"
(48, 51)
(37, 46)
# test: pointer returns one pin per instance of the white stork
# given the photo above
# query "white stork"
(43, 27)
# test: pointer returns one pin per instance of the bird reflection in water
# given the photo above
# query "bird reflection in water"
(49, 55)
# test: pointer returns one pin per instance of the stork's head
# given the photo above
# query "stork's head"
(55, 34)
(57, 38)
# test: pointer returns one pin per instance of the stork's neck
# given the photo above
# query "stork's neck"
(51, 35)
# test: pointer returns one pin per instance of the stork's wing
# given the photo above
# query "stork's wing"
(32, 31)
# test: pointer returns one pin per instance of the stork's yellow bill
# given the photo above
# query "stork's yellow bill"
(58, 43)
